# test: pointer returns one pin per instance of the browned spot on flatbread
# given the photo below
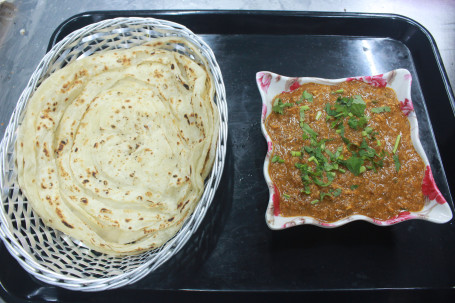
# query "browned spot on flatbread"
(157, 74)
(105, 211)
(84, 200)
(184, 205)
(45, 150)
(67, 224)
(59, 213)
(61, 145)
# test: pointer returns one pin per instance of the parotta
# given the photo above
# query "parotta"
(114, 148)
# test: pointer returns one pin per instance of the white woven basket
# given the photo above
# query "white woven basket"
(53, 257)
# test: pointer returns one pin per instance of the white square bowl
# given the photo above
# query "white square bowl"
(436, 208)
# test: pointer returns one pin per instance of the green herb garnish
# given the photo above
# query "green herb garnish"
(354, 186)
(332, 193)
(382, 109)
(309, 130)
(276, 159)
(296, 153)
(397, 141)
(354, 164)
(338, 91)
(358, 106)
(397, 162)
(286, 196)
(307, 96)
(357, 123)
(279, 106)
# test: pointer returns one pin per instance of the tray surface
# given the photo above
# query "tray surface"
(234, 250)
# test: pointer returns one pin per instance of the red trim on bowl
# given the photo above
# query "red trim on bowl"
(430, 189)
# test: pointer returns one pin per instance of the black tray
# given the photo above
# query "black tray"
(233, 254)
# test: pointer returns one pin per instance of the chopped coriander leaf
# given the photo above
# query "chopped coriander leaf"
(338, 91)
(331, 176)
(296, 153)
(328, 166)
(341, 129)
(277, 158)
(323, 195)
(309, 130)
(358, 106)
(314, 202)
(279, 106)
(306, 190)
(338, 152)
(318, 115)
(354, 186)
(397, 162)
(397, 141)
(354, 164)
(346, 141)
(313, 158)
(367, 153)
(353, 123)
(329, 110)
(286, 196)
(362, 169)
(332, 193)
(378, 142)
(302, 112)
(357, 123)
(330, 154)
(307, 96)
(382, 109)
(320, 182)
(336, 192)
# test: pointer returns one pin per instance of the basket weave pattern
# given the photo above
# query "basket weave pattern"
(50, 255)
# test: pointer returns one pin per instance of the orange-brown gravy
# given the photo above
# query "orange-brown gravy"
(381, 192)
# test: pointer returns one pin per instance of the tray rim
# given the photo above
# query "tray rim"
(354, 15)
(318, 14)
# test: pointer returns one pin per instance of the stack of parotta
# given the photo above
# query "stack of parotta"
(114, 148)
